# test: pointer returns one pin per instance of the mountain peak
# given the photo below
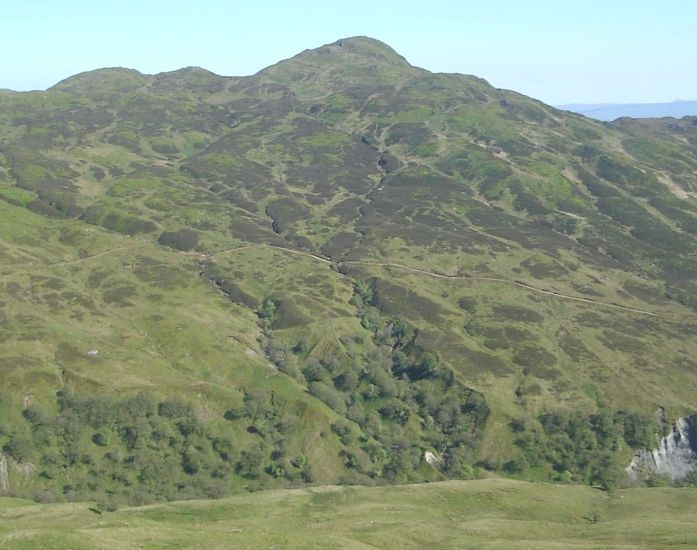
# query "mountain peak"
(349, 61)
(99, 81)
(192, 78)
(361, 46)
(356, 50)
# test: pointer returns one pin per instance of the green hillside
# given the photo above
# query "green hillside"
(321, 272)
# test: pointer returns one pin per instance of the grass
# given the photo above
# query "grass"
(291, 158)
(488, 513)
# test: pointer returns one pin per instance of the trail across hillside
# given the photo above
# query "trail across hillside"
(35, 262)
(508, 282)
(472, 278)
(426, 272)
(101, 254)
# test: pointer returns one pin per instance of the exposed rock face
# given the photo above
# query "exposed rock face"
(4, 476)
(676, 454)
(432, 459)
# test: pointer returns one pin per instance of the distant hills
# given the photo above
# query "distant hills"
(612, 111)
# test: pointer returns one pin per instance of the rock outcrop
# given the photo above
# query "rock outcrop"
(675, 456)
(4, 476)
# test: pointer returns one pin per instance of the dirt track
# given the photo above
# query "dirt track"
(428, 273)
(473, 278)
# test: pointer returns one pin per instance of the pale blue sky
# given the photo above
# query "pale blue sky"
(563, 51)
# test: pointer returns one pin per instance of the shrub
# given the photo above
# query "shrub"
(468, 303)
(101, 439)
(183, 240)
(658, 480)
(275, 470)
(328, 396)
(266, 313)
(249, 465)
(19, 447)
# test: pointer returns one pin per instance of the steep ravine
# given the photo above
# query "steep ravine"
(675, 456)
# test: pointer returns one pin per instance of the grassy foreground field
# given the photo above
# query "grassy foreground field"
(489, 513)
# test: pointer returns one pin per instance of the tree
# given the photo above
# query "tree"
(275, 470)
(347, 381)
(595, 515)
(266, 313)
(101, 438)
(19, 447)
(249, 465)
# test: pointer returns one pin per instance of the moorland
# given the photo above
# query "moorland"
(327, 272)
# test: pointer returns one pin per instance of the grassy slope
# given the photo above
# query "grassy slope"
(490, 513)
(434, 215)
(157, 325)
(481, 183)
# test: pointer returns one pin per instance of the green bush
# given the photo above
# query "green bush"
(19, 447)
(101, 438)
(183, 240)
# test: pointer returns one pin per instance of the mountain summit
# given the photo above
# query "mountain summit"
(340, 269)
(356, 50)
(345, 63)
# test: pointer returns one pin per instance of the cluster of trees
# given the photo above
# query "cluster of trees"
(265, 415)
(399, 399)
(583, 449)
(139, 449)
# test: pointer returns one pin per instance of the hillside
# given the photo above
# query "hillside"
(321, 272)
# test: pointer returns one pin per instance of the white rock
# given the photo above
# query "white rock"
(431, 458)
(675, 455)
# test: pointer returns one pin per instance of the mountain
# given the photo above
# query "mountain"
(613, 111)
(342, 269)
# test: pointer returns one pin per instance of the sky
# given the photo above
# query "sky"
(561, 51)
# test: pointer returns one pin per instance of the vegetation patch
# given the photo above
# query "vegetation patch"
(516, 314)
(581, 448)
(184, 239)
(544, 269)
